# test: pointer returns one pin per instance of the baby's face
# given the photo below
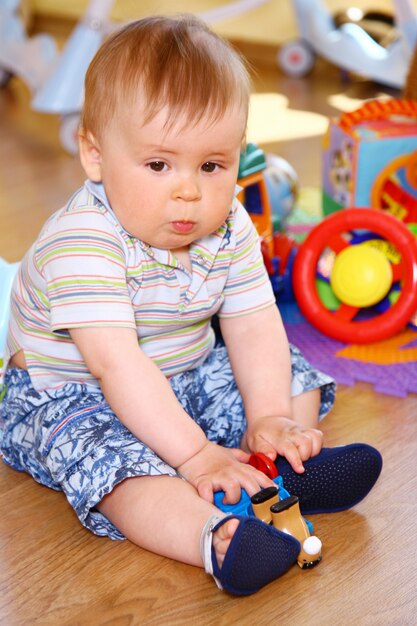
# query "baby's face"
(169, 187)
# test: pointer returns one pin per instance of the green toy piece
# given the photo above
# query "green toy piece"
(252, 160)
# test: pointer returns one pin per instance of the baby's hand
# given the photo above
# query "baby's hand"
(215, 468)
(280, 435)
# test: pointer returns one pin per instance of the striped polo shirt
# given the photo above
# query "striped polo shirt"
(86, 270)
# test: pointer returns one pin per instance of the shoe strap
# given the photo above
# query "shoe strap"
(206, 543)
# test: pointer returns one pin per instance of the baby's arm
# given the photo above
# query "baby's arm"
(259, 353)
(143, 400)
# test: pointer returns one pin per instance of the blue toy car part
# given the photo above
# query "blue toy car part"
(244, 506)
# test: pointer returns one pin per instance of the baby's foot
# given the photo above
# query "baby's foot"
(222, 538)
(243, 554)
(335, 479)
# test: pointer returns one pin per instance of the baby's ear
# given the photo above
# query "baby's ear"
(90, 155)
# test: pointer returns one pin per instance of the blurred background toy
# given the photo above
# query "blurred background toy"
(283, 187)
(349, 45)
(395, 188)
(352, 285)
(359, 147)
(343, 277)
(62, 93)
(30, 58)
(380, 25)
(269, 188)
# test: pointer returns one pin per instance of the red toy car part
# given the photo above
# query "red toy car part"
(264, 464)
(355, 266)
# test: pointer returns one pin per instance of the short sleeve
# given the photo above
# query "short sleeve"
(82, 260)
(248, 287)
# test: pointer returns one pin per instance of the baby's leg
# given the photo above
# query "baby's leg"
(306, 408)
(312, 392)
(164, 515)
(336, 478)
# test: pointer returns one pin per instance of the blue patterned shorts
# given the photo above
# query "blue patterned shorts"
(70, 440)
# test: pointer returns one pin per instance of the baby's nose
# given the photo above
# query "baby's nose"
(188, 189)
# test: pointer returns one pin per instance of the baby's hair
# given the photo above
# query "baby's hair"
(176, 62)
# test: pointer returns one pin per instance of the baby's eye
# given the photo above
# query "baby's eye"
(157, 166)
(209, 167)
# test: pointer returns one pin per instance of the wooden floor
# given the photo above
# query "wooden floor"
(53, 572)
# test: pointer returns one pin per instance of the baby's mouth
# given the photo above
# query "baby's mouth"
(182, 226)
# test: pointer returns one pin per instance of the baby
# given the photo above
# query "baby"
(115, 390)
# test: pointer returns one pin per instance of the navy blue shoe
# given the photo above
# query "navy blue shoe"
(334, 480)
(257, 555)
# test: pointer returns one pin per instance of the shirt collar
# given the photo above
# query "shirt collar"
(98, 191)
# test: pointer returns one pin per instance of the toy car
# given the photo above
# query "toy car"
(275, 506)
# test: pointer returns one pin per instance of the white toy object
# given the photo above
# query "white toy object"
(282, 183)
(31, 58)
(62, 93)
(349, 46)
(7, 274)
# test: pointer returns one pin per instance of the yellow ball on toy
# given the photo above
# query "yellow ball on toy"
(361, 275)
